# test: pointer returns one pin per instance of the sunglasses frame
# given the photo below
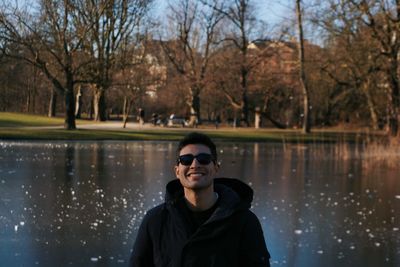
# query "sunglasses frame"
(209, 159)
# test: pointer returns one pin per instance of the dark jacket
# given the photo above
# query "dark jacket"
(232, 236)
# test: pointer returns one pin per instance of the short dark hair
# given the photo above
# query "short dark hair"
(198, 138)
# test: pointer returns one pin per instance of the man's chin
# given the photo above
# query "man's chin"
(198, 184)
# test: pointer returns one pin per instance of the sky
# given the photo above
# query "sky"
(270, 11)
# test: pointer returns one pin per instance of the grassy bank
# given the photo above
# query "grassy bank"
(31, 127)
(8, 119)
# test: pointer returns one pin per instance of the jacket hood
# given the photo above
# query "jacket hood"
(233, 192)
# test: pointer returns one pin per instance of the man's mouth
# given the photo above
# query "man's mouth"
(195, 174)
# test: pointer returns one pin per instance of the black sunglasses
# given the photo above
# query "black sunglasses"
(202, 158)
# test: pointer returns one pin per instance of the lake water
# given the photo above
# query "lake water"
(80, 203)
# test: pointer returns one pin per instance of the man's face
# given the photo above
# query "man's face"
(196, 176)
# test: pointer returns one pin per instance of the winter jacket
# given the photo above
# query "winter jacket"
(232, 236)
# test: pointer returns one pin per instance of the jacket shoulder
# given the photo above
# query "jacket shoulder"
(155, 214)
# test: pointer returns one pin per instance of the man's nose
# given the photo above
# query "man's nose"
(195, 163)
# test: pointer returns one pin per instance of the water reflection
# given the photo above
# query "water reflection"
(80, 203)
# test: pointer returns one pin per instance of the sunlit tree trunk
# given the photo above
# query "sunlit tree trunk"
(99, 105)
(303, 80)
(53, 103)
(78, 103)
(370, 103)
(126, 110)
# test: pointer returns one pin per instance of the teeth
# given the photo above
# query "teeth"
(196, 174)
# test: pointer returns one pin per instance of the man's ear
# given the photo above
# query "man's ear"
(216, 166)
(176, 171)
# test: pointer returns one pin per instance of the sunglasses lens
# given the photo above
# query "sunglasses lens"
(202, 158)
(186, 159)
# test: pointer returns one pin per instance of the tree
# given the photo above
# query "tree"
(239, 15)
(191, 46)
(113, 24)
(303, 78)
(379, 22)
(49, 41)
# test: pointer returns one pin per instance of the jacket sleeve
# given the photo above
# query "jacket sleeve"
(142, 253)
(253, 251)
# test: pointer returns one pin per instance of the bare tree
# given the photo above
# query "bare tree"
(49, 41)
(192, 45)
(379, 21)
(113, 24)
(303, 78)
(239, 14)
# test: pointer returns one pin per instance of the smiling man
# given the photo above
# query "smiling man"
(205, 221)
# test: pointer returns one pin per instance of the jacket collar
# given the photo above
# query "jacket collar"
(234, 194)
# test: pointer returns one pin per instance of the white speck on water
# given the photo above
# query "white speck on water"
(320, 252)
(298, 232)
(339, 240)
(16, 228)
(94, 259)
(377, 244)
(395, 229)
(352, 247)
(397, 196)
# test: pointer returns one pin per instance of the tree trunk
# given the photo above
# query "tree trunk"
(303, 81)
(245, 107)
(99, 104)
(53, 103)
(126, 110)
(194, 107)
(28, 101)
(394, 100)
(371, 105)
(78, 103)
(69, 123)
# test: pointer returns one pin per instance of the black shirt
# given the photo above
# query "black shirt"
(196, 218)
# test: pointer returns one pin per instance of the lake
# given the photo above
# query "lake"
(81, 203)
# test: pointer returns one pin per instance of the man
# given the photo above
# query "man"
(205, 221)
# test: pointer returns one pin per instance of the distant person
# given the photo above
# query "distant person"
(204, 221)
(217, 121)
(141, 116)
(155, 118)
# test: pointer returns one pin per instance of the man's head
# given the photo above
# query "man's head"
(196, 139)
(196, 162)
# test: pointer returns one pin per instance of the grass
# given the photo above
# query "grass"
(9, 119)
(33, 127)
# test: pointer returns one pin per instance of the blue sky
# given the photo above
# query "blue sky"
(271, 11)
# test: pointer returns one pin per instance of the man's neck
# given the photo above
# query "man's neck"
(200, 200)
